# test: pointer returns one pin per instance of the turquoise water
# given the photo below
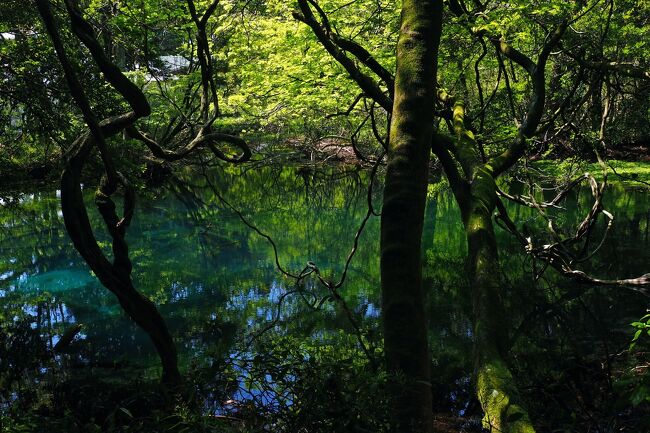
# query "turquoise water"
(216, 282)
(194, 258)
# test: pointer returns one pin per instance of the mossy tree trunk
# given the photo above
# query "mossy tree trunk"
(496, 387)
(404, 319)
(476, 194)
(471, 173)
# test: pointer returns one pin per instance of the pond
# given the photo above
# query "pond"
(215, 279)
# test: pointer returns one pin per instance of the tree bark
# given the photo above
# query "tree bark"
(114, 276)
(496, 387)
(404, 318)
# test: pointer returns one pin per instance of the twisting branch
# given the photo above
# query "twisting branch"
(312, 268)
(126, 88)
(558, 253)
(536, 105)
(536, 71)
(513, 54)
(324, 33)
(115, 276)
(537, 101)
(77, 92)
(203, 138)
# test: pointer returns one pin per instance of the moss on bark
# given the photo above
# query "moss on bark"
(404, 318)
(495, 385)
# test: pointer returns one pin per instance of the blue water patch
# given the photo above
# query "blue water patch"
(56, 281)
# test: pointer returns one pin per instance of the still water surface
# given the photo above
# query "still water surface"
(215, 279)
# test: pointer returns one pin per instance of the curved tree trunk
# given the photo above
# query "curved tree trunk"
(404, 319)
(115, 276)
(496, 388)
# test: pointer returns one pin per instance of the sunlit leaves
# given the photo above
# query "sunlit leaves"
(642, 326)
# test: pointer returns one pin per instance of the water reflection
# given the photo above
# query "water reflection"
(215, 280)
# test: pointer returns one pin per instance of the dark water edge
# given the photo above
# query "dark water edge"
(216, 283)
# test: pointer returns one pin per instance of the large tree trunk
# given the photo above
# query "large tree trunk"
(496, 388)
(404, 319)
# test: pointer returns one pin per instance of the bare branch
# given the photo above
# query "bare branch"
(202, 139)
(557, 254)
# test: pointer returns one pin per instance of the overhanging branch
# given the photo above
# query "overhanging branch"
(323, 33)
